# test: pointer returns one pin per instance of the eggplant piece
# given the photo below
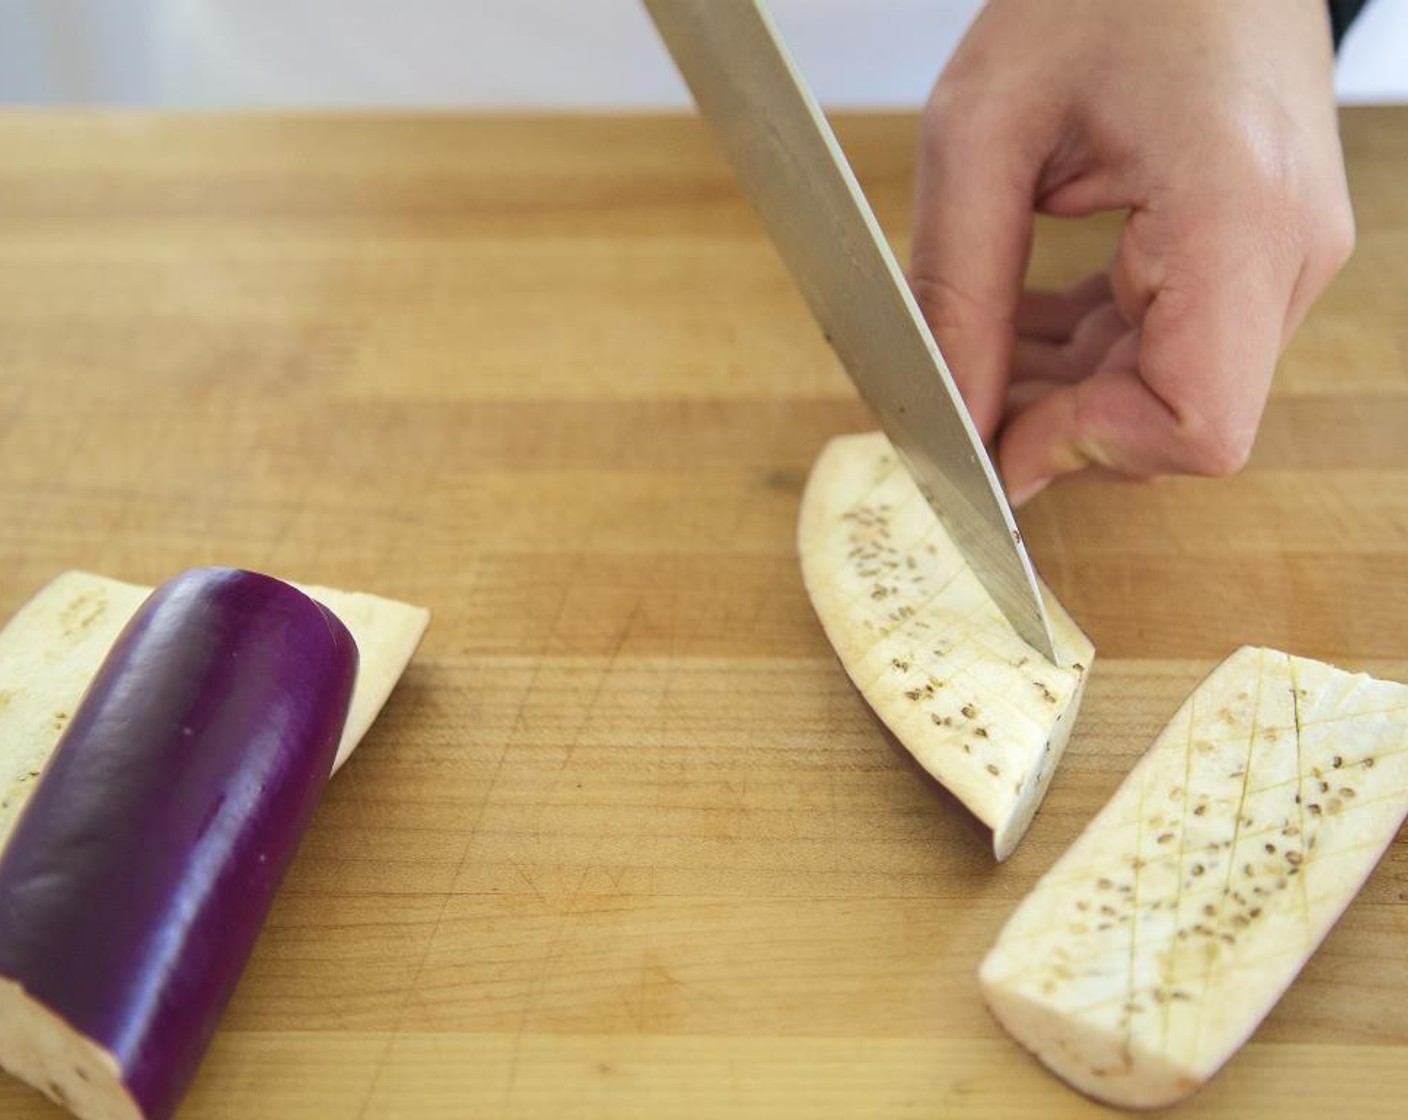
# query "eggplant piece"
(137, 879)
(923, 641)
(1154, 947)
(53, 646)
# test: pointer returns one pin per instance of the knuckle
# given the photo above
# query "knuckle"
(956, 120)
(1215, 451)
(1335, 234)
(942, 102)
(945, 304)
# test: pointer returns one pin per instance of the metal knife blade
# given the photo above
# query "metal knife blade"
(794, 173)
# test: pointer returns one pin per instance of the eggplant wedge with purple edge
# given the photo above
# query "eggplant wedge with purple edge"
(52, 648)
(138, 876)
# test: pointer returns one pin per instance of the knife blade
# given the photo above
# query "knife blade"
(795, 175)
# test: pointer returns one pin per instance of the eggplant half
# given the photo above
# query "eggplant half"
(142, 868)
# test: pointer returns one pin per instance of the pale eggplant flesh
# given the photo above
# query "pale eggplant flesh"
(1154, 947)
(139, 874)
(53, 646)
(923, 641)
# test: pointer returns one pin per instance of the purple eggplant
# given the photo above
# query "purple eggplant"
(135, 883)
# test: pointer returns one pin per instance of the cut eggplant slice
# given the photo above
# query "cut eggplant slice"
(137, 878)
(922, 639)
(1155, 946)
(53, 646)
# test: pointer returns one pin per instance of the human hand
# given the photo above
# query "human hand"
(1213, 125)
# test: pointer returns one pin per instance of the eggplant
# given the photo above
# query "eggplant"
(1154, 947)
(141, 870)
(54, 645)
(929, 650)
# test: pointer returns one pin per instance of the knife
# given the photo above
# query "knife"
(795, 175)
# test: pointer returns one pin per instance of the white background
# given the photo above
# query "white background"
(497, 53)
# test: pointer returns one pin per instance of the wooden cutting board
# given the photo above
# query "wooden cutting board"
(625, 842)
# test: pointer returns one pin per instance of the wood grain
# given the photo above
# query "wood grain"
(625, 842)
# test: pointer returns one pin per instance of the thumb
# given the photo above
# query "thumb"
(972, 237)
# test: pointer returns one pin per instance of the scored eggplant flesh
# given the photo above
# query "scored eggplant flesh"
(925, 644)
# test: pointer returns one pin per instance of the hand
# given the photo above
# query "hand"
(1213, 125)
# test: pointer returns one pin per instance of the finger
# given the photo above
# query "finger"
(972, 237)
(1046, 315)
(1207, 289)
(1052, 316)
(1182, 393)
(1087, 348)
(1027, 395)
(1022, 395)
(1111, 420)
(1210, 295)
(1034, 360)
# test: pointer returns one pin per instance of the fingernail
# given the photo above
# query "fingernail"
(1021, 495)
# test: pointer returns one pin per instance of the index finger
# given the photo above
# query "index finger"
(972, 237)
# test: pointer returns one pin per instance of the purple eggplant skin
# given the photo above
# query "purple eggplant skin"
(136, 882)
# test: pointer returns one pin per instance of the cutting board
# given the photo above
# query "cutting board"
(625, 842)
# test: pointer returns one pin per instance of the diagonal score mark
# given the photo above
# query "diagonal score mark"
(1132, 1003)
(1334, 900)
(1256, 965)
(865, 499)
(1236, 838)
(1304, 888)
(1172, 970)
(1323, 854)
(1328, 721)
(919, 608)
